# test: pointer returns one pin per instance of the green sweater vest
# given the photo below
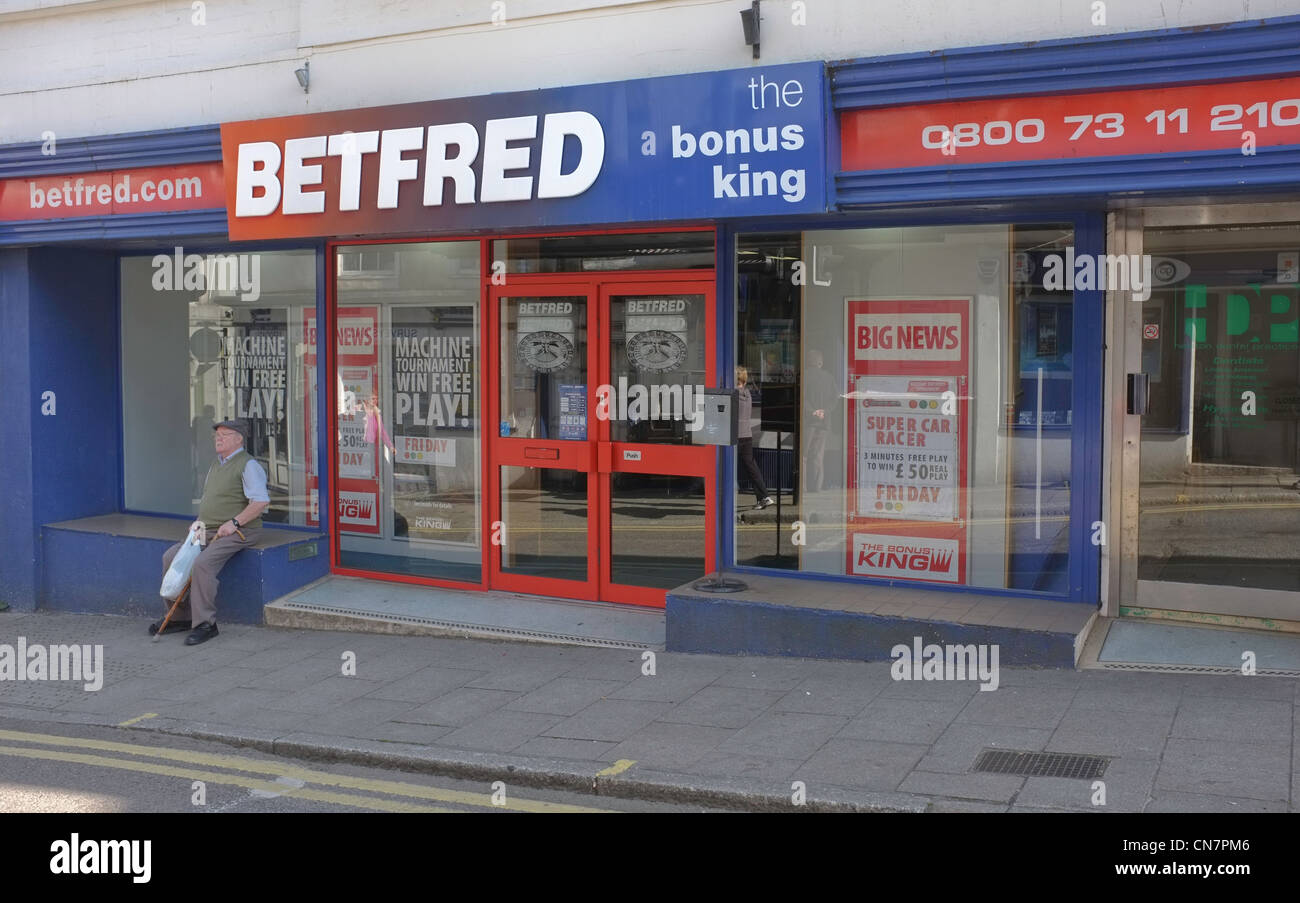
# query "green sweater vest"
(223, 492)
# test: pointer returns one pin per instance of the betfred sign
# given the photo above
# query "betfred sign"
(272, 178)
(905, 557)
(161, 189)
(748, 144)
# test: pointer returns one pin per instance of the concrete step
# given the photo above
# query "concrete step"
(379, 606)
(832, 620)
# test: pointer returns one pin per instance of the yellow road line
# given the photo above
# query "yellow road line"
(212, 777)
(310, 775)
(618, 767)
(130, 721)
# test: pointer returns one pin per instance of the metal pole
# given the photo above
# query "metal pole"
(778, 494)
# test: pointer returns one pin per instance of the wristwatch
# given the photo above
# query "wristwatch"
(236, 522)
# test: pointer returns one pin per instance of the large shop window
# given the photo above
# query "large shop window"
(206, 338)
(408, 409)
(909, 399)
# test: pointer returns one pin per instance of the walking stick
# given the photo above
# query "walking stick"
(179, 596)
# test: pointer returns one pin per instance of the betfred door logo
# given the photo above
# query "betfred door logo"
(910, 557)
(357, 509)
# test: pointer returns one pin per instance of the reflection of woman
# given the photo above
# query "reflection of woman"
(745, 439)
(375, 424)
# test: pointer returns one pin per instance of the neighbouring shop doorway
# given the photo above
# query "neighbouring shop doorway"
(1217, 506)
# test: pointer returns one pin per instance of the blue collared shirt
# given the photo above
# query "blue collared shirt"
(254, 478)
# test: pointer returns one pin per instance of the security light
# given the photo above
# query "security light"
(304, 76)
(749, 20)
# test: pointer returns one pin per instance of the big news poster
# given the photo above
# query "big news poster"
(907, 437)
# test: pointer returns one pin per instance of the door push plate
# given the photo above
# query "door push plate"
(1139, 393)
(544, 454)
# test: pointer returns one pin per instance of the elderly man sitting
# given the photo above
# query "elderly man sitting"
(234, 497)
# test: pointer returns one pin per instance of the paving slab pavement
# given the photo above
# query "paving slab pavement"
(744, 731)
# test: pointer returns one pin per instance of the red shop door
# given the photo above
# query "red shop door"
(595, 488)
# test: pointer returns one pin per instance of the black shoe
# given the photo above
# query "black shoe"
(173, 626)
(201, 634)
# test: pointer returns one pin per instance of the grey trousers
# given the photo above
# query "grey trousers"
(201, 603)
(815, 453)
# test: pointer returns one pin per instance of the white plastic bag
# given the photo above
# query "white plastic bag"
(179, 572)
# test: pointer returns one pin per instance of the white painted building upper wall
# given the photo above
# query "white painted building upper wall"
(90, 67)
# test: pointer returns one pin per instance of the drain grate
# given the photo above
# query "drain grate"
(1194, 669)
(1041, 764)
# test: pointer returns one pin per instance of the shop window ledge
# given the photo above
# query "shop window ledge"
(112, 564)
(835, 620)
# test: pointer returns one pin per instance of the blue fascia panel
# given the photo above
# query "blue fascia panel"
(159, 226)
(197, 144)
(19, 407)
(1270, 168)
(1040, 211)
(1261, 48)
(73, 323)
(726, 363)
(119, 403)
(1087, 439)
